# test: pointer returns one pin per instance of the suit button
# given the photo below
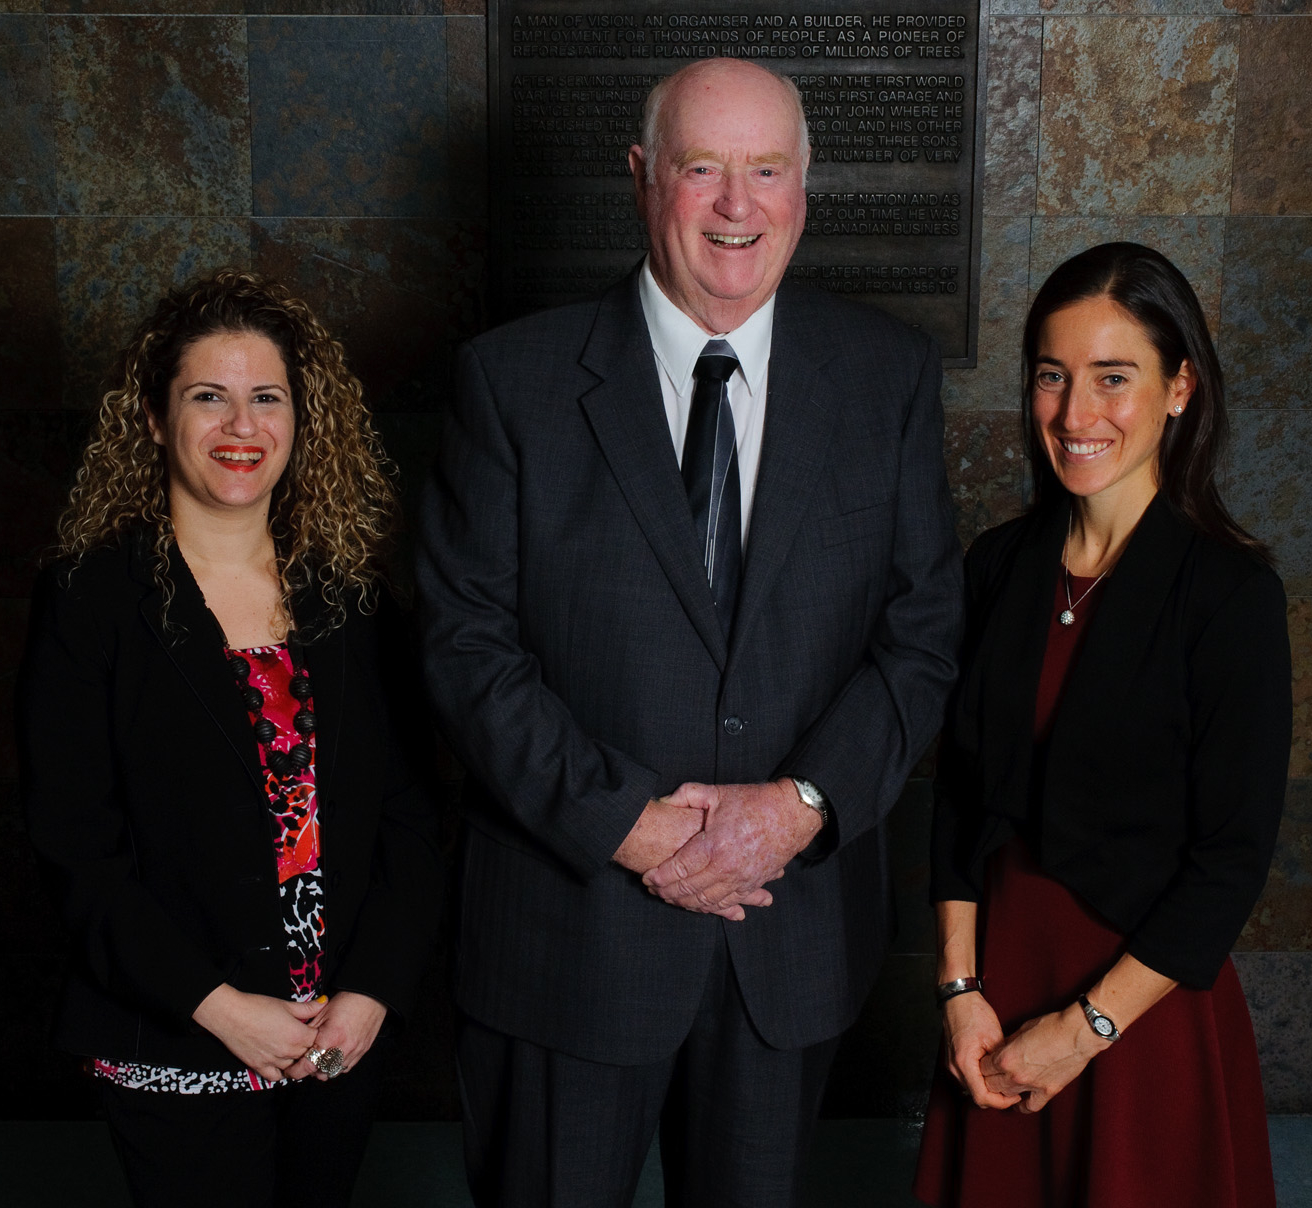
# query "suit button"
(734, 725)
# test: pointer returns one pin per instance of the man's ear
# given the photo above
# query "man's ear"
(638, 167)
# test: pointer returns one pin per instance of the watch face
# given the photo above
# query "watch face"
(1103, 1026)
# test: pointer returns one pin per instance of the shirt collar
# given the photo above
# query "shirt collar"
(677, 341)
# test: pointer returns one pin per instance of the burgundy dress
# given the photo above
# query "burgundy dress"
(1172, 1114)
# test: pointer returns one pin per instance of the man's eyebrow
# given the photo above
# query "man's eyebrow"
(696, 154)
(692, 155)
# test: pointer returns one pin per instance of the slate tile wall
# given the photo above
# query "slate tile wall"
(341, 145)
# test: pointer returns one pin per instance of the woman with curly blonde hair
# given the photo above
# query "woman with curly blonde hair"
(212, 770)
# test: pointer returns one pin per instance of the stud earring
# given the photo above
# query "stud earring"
(1179, 410)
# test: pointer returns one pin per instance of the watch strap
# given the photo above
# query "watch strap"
(1098, 1021)
(962, 985)
(810, 795)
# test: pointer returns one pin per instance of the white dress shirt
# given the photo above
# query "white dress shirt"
(677, 342)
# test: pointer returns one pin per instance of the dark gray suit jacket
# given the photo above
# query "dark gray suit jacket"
(579, 669)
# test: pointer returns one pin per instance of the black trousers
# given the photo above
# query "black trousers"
(547, 1130)
(297, 1144)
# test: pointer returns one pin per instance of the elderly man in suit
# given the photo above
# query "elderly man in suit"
(691, 595)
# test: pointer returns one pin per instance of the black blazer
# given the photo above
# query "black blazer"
(1160, 796)
(144, 799)
(580, 669)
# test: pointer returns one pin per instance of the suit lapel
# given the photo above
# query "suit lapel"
(799, 424)
(1016, 641)
(628, 419)
(192, 642)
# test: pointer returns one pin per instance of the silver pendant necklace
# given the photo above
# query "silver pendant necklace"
(1067, 617)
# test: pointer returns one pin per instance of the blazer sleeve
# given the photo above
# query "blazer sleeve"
(957, 819)
(120, 935)
(395, 930)
(578, 797)
(1241, 713)
(864, 746)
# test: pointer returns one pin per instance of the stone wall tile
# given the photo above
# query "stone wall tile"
(112, 271)
(151, 114)
(1268, 489)
(30, 362)
(16, 861)
(1299, 616)
(470, 8)
(39, 1083)
(1283, 7)
(984, 455)
(27, 183)
(349, 116)
(886, 1061)
(20, 6)
(410, 439)
(285, 8)
(398, 293)
(1011, 135)
(1196, 246)
(1275, 984)
(145, 7)
(1273, 123)
(466, 99)
(12, 854)
(364, 8)
(1065, 8)
(1282, 918)
(39, 454)
(419, 1077)
(1137, 115)
(1266, 312)
(908, 858)
(994, 383)
(27, 924)
(13, 637)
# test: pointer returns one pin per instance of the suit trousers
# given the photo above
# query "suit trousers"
(546, 1130)
(301, 1143)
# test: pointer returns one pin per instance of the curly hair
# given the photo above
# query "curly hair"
(334, 511)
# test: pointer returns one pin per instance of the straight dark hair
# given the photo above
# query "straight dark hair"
(1156, 295)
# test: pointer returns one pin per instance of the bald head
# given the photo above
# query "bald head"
(689, 77)
(720, 179)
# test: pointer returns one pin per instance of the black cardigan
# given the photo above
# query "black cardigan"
(1160, 797)
(141, 783)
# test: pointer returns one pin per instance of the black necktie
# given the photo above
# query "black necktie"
(710, 474)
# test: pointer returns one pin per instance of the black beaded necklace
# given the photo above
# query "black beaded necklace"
(283, 764)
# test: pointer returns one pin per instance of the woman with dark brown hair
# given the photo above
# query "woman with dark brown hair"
(1110, 782)
(211, 773)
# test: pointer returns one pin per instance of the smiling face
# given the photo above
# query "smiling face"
(228, 427)
(1101, 400)
(727, 198)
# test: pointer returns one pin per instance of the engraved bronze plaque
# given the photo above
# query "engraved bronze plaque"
(894, 95)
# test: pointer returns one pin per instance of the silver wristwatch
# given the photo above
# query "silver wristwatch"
(1101, 1024)
(813, 797)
